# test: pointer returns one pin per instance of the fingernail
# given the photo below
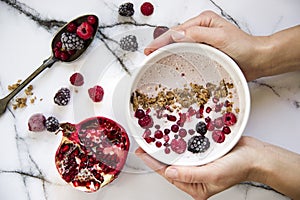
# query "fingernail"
(171, 173)
(177, 35)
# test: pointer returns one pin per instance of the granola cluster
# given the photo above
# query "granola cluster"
(178, 98)
(21, 102)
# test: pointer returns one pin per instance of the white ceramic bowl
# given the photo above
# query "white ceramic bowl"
(171, 69)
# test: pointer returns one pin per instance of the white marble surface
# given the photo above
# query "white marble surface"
(27, 169)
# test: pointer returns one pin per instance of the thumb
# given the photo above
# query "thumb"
(201, 174)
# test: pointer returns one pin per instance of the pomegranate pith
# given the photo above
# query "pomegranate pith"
(91, 153)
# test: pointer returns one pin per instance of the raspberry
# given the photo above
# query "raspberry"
(229, 119)
(126, 9)
(147, 8)
(198, 144)
(62, 97)
(85, 31)
(36, 123)
(201, 128)
(218, 136)
(71, 41)
(129, 43)
(178, 145)
(96, 93)
(77, 79)
(52, 124)
(159, 30)
(218, 123)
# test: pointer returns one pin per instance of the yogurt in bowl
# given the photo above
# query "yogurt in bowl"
(188, 104)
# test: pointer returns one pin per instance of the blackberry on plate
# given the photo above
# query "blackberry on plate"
(198, 144)
(52, 124)
(201, 128)
(71, 41)
(62, 97)
(129, 43)
(126, 9)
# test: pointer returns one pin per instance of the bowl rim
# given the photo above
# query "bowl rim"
(172, 48)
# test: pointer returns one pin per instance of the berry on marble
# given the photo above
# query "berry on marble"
(62, 97)
(36, 123)
(77, 79)
(96, 93)
(129, 43)
(52, 124)
(147, 8)
(159, 30)
(126, 9)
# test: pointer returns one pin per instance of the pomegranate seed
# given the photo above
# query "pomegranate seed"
(147, 8)
(218, 136)
(148, 140)
(71, 27)
(147, 133)
(58, 44)
(167, 150)
(64, 56)
(91, 19)
(166, 138)
(171, 118)
(207, 119)
(208, 110)
(210, 126)
(226, 130)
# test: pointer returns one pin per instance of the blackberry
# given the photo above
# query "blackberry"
(52, 124)
(201, 128)
(198, 144)
(62, 97)
(71, 41)
(126, 9)
(129, 43)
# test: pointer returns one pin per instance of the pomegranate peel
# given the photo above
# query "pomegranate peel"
(92, 153)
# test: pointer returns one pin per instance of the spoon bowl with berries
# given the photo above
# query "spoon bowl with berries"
(188, 104)
(69, 43)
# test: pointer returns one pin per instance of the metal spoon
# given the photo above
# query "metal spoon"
(52, 59)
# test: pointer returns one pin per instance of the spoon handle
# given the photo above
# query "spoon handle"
(46, 64)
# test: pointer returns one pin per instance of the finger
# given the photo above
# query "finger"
(151, 162)
(202, 174)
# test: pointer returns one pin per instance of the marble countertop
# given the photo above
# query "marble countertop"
(27, 168)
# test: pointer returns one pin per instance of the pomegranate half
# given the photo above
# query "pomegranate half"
(92, 153)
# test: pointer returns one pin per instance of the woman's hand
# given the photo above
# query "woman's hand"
(204, 181)
(257, 56)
